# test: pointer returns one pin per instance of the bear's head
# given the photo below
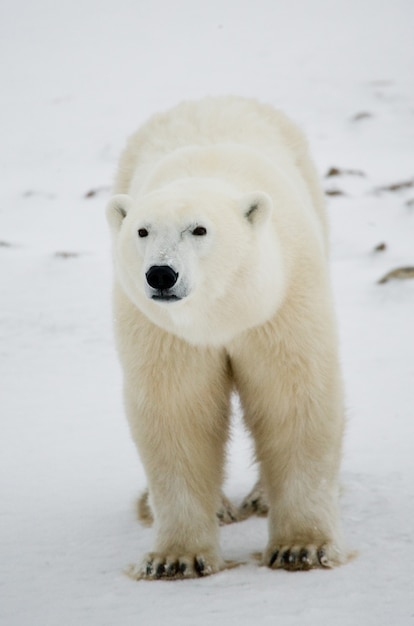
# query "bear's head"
(198, 258)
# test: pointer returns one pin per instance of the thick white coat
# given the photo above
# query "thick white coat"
(251, 310)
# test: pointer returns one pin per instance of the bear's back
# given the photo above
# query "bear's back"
(226, 119)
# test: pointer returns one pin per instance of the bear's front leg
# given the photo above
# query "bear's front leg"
(177, 400)
(292, 400)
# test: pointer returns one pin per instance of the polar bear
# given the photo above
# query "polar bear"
(221, 284)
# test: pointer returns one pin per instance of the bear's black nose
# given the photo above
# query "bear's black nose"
(161, 277)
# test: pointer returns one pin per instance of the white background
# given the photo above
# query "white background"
(76, 79)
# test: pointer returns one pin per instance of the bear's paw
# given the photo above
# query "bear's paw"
(303, 557)
(255, 503)
(160, 566)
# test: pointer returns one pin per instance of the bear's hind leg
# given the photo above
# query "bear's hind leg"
(227, 512)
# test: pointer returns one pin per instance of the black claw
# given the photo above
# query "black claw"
(182, 567)
(171, 570)
(288, 558)
(148, 569)
(160, 570)
(304, 557)
(322, 557)
(200, 566)
(273, 557)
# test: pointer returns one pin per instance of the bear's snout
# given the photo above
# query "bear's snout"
(161, 277)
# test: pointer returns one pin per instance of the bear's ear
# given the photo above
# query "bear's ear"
(117, 209)
(256, 207)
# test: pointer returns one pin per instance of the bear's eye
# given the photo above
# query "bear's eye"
(142, 232)
(199, 231)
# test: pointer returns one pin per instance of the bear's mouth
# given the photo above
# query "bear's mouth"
(164, 297)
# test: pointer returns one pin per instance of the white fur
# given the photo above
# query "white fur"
(253, 309)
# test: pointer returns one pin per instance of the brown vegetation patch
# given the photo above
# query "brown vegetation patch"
(400, 273)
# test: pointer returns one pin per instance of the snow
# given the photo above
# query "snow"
(77, 79)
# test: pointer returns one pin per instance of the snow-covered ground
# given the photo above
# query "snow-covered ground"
(77, 78)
